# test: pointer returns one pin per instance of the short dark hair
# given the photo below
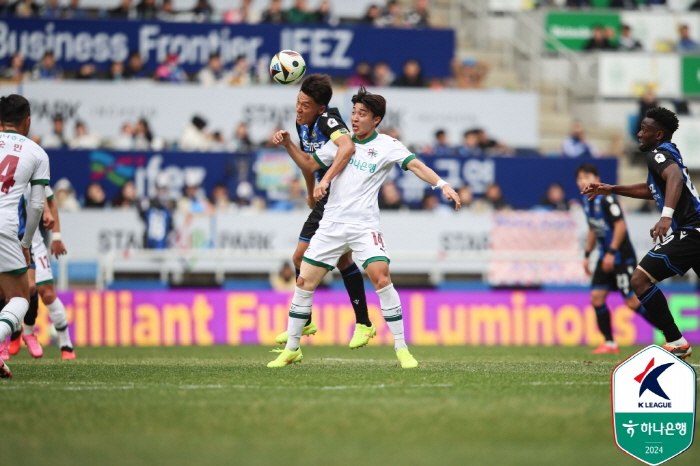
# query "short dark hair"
(587, 168)
(319, 88)
(14, 109)
(664, 119)
(374, 102)
(440, 132)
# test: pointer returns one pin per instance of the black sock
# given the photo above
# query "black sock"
(33, 311)
(309, 320)
(355, 284)
(642, 311)
(657, 306)
(602, 313)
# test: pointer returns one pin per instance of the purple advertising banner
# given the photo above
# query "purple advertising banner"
(214, 317)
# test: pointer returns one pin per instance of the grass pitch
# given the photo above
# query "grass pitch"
(222, 406)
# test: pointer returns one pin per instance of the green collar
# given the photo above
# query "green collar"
(10, 131)
(365, 141)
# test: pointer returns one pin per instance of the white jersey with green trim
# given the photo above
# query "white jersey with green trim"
(355, 190)
(22, 162)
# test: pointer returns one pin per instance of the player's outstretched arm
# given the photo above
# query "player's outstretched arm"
(57, 246)
(637, 191)
(301, 158)
(674, 187)
(346, 148)
(427, 174)
(34, 208)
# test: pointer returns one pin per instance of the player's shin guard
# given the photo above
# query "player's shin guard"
(298, 272)
(391, 310)
(11, 316)
(602, 314)
(657, 306)
(57, 313)
(299, 313)
(355, 284)
(30, 316)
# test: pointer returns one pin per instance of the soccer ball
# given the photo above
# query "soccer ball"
(287, 67)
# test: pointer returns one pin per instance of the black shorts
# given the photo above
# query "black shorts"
(678, 253)
(617, 280)
(311, 224)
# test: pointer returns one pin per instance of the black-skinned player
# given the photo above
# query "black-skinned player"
(669, 184)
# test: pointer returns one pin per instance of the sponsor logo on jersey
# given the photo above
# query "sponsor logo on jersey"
(373, 153)
(363, 166)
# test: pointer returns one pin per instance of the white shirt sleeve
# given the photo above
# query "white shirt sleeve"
(400, 154)
(326, 154)
(41, 173)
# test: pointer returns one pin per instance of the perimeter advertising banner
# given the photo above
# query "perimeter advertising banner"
(574, 30)
(143, 318)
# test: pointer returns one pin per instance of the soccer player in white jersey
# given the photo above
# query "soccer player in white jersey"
(351, 220)
(22, 162)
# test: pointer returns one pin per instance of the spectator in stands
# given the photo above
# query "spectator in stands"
(245, 14)
(494, 198)
(470, 146)
(213, 74)
(393, 16)
(383, 76)
(65, 196)
(648, 207)
(166, 12)
(202, 11)
(300, 13)
(194, 138)
(419, 16)
(52, 10)
(241, 74)
(56, 139)
(695, 6)
(217, 144)
(362, 75)
(685, 43)
(87, 72)
(74, 10)
(627, 42)
(390, 197)
(441, 146)
(220, 198)
(123, 11)
(274, 13)
(575, 144)
(647, 102)
(147, 10)
(116, 71)
(125, 139)
(490, 146)
(144, 138)
(157, 214)
(412, 75)
(430, 202)
(323, 13)
(47, 69)
(599, 40)
(241, 140)
(373, 16)
(95, 196)
(555, 198)
(134, 68)
(285, 280)
(16, 72)
(194, 201)
(624, 4)
(83, 139)
(576, 4)
(126, 197)
(466, 197)
(296, 199)
(470, 73)
(170, 71)
(26, 9)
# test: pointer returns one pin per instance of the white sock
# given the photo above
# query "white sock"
(28, 329)
(611, 344)
(391, 310)
(57, 313)
(11, 316)
(299, 313)
(680, 342)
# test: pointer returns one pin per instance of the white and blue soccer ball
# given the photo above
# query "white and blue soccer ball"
(287, 67)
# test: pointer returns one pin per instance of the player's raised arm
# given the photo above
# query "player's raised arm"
(674, 186)
(301, 158)
(427, 174)
(637, 191)
(346, 149)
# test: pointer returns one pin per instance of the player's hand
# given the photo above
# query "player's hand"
(58, 248)
(608, 263)
(310, 201)
(595, 189)
(49, 221)
(321, 189)
(660, 230)
(450, 194)
(282, 138)
(27, 256)
(586, 265)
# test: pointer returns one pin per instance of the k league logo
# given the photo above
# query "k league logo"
(653, 404)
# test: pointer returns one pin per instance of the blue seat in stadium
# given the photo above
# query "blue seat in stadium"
(463, 285)
(633, 125)
(81, 271)
(246, 284)
(138, 285)
(566, 288)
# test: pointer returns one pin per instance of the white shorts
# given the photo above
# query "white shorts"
(332, 240)
(42, 260)
(11, 257)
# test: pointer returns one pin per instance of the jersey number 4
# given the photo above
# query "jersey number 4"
(7, 172)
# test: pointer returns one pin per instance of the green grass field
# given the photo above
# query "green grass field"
(222, 406)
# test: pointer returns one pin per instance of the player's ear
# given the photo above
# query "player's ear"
(322, 109)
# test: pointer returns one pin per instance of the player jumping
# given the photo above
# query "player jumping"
(319, 125)
(351, 220)
(669, 184)
(617, 258)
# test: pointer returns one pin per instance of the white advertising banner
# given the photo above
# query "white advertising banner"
(658, 30)
(512, 117)
(630, 74)
(687, 138)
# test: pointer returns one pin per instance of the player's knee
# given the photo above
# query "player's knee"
(639, 282)
(597, 301)
(300, 282)
(48, 295)
(382, 281)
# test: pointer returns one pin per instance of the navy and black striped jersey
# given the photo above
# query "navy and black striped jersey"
(687, 213)
(602, 213)
(329, 126)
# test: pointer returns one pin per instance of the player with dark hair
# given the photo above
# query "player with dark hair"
(669, 184)
(617, 259)
(318, 125)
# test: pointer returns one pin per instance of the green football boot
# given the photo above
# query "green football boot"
(286, 358)
(362, 336)
(407, 361)
(308, 330)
